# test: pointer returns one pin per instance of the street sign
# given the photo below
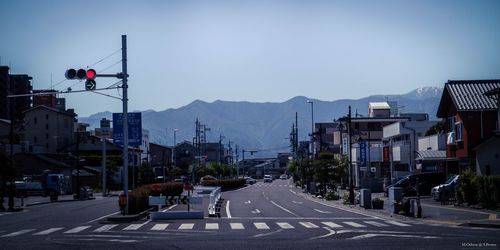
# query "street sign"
(90, 84)
(362, 153)
(134, 129)
(344, 144)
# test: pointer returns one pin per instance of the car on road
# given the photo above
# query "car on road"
(445, 191)
(283, 177)
(250, 180)
(268, 178)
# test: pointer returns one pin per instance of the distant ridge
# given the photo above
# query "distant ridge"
(265, 126)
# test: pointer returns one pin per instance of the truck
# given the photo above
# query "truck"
(46, 184)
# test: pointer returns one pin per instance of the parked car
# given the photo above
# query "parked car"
(283, 177)
(446, 190)
(425, 183)
(268, 178)
(207, 178)
(250, 180)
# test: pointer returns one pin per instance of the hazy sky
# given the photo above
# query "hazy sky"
(179, 51)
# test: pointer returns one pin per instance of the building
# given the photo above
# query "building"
(324, 141)
(185, 154)
(470, 120)
(379, 109)
(49, 128)
(161, 160)
(431, 154)
(402, 139)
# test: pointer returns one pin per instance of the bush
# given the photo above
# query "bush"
(332, 196)
(466, 189)
(377, 203)
(488, 190)
(229, 184)
(138, 199)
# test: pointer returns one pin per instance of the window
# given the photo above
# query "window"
(451, 123)
(458, 131)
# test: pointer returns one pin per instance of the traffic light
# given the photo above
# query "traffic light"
(73, 74)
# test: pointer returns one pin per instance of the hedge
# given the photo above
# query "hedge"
(138, 199)
(228, 184)
(473, 189)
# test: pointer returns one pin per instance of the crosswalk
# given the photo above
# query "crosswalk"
(209, 226)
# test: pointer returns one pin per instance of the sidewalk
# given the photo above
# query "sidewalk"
(432, 212)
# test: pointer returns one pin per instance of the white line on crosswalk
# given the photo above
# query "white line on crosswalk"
(261, 225)
(374, 223)
(397, 223)
(49, 231)
(237, 226)
(18, 233)
(353, 224)
(186, 226)
(212, 226)
(159, 227)
(135, 226)
(76, 230)
(285, 225)
(308, 225)
(331, 224)
(105, 228)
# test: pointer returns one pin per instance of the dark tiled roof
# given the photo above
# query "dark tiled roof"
(470, 95)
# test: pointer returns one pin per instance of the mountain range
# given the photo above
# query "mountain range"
(265, 126)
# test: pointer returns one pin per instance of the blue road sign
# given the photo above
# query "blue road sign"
(134, 129)
(362, 153)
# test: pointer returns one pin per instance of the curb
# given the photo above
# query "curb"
(478, 224)
(49, 202)
(130, 218)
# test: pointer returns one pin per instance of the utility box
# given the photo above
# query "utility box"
(395, 196)
(365, 199)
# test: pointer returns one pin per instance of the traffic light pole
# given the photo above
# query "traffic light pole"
(125, 119)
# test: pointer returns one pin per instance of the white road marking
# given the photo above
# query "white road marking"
(159, 227)
(123, 241)
(331, 224)
(293, 192)
(135, 226)
(261, 225)
(212, 226)
(308, 224)
(168, 208)
(49, 231)
(186, 226)
(284, 209)
(330, 233)
(18, 233)
(237, 226)
(323, 212)
(228, 213)
(297, 202)
(102, 217)
(374, 223)
(267, 234)
(76, 230)
(256, 211)
(353, 224)
(105, 228)
(285, 225)
(364, 236)
(247, 202)
(397, 223)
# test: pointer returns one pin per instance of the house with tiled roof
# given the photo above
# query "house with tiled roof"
(470, 118)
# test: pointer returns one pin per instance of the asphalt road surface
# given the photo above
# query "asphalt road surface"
(261, 216)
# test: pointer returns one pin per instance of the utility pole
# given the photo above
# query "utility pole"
(351, 187)
(125, 119)
(237, 162)
(103, 165)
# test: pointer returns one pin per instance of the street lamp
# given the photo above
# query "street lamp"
(312, 127)
(173, 151)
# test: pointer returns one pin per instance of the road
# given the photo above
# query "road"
(261, 216)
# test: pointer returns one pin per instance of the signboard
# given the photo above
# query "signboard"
(134, 129)
(362, 153)
(385, 154)
(373, 169)
(345, 145)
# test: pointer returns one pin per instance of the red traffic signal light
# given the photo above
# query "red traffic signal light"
(91, 74)
(72, 74)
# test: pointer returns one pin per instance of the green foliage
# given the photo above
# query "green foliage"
(138, 199)
(332, 196)
(227, 184)
(488, 190)
(435, 129)
(466, 190)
